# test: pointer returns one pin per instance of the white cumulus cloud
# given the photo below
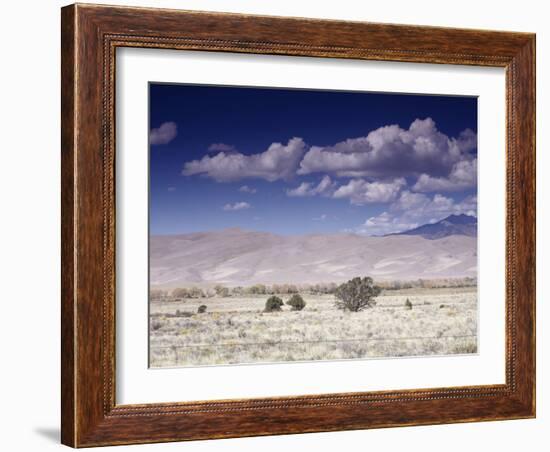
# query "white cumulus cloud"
(237, 206)
(360, 192)
(463, 175)
(325, 188)
(279, 161)
(163, 134)
(391, 151)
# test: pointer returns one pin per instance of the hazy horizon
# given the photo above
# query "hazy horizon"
(247, 229)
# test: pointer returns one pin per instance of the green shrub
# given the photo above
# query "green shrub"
(297, 302)
(356, 294)
(273, 303)
(202, 309)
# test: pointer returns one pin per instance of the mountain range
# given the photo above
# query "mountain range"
(452, 225)
(234, 256)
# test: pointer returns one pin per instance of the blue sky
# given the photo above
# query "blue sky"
(307, 161)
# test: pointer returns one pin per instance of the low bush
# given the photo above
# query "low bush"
(273, 304)
(297, 302)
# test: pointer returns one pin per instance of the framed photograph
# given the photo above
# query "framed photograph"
(281, 225)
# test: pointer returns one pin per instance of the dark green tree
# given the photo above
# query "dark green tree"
(357, 294)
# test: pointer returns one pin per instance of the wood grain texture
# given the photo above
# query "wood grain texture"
(68, 388)
(90, 36)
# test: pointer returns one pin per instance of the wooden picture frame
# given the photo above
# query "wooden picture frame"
(90, 36)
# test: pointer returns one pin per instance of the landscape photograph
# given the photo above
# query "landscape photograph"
(292, 225)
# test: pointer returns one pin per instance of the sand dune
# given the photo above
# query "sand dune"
(239, 257)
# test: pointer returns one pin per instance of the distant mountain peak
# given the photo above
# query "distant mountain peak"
(461, 219)
(461, 224)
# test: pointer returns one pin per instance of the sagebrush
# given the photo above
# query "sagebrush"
(356, 294)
